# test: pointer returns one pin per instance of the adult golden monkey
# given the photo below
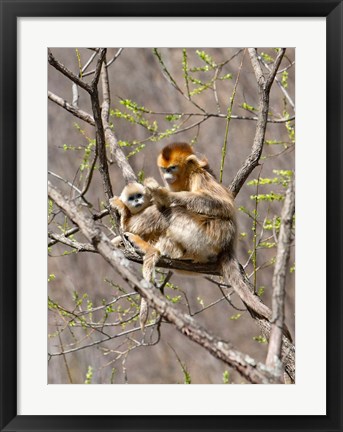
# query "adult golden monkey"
(210, 206)
(160, 230)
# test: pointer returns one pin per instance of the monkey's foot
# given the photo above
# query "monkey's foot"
(117, 242)
(137, 242)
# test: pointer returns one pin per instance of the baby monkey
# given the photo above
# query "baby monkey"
(134, 204)
(133, 200)
(146, 225)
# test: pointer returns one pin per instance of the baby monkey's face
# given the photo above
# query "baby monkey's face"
(136, 197)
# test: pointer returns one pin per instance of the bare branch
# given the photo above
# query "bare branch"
(281, 87)
(102, 55)
(253, 371)
(77, 112)
(120, 50)
(274, 68)
(264, 86)
(81, 247)
(65, 181)
(76, 229)
(110, 137)
(68, 73)
(279, 278)
(101, 144)
(257, 67)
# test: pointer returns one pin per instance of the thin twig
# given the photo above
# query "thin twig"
(228, 118)
(75, 111)
(120, 50)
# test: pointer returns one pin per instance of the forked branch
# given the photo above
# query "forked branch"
(264, 86)
(249, 368)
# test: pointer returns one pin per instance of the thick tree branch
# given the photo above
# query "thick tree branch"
(116, 151)
(253, 371)
(264, 86)
(102, 57)
(101, 144)
(257, 309)
(279, 279)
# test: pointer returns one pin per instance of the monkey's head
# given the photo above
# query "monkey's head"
(136, 197)
(176, 163)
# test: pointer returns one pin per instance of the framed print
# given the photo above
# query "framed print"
(208, 91)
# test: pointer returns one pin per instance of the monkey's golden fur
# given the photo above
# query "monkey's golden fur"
(193, 218)
(207, 203)
(195, 221)
(149, 226)
(196, 225)
(145, 219)
(210, 207)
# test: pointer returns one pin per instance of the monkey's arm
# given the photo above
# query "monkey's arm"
(122, 209)
(150, 223)
(198, 202)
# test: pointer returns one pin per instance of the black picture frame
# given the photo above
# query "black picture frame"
(10, 11)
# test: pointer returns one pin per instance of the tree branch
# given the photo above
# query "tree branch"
(279, 278)
(100, 137)
(68, 73)
(120, 50)
(116, 151)
(264, 86)
(253, 371)
(75, 111)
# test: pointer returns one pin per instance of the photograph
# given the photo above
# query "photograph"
(171, 215)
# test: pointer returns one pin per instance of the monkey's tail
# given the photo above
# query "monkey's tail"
(235, 276)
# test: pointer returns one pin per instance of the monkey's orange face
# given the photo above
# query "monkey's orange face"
(173, 163)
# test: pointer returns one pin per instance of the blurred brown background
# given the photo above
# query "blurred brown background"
(137, 75)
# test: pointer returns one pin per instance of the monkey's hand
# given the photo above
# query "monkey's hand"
(151, 183)
(117, 204)
(160, 195)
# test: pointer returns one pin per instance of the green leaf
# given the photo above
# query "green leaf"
(226, 377)
(268, 197)
(260, 339)
(284, 79)
(260, 291)
(172, 117)
(226, 77)
(267, 58)
(248, 107)
(89, 375)
(206, 58)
